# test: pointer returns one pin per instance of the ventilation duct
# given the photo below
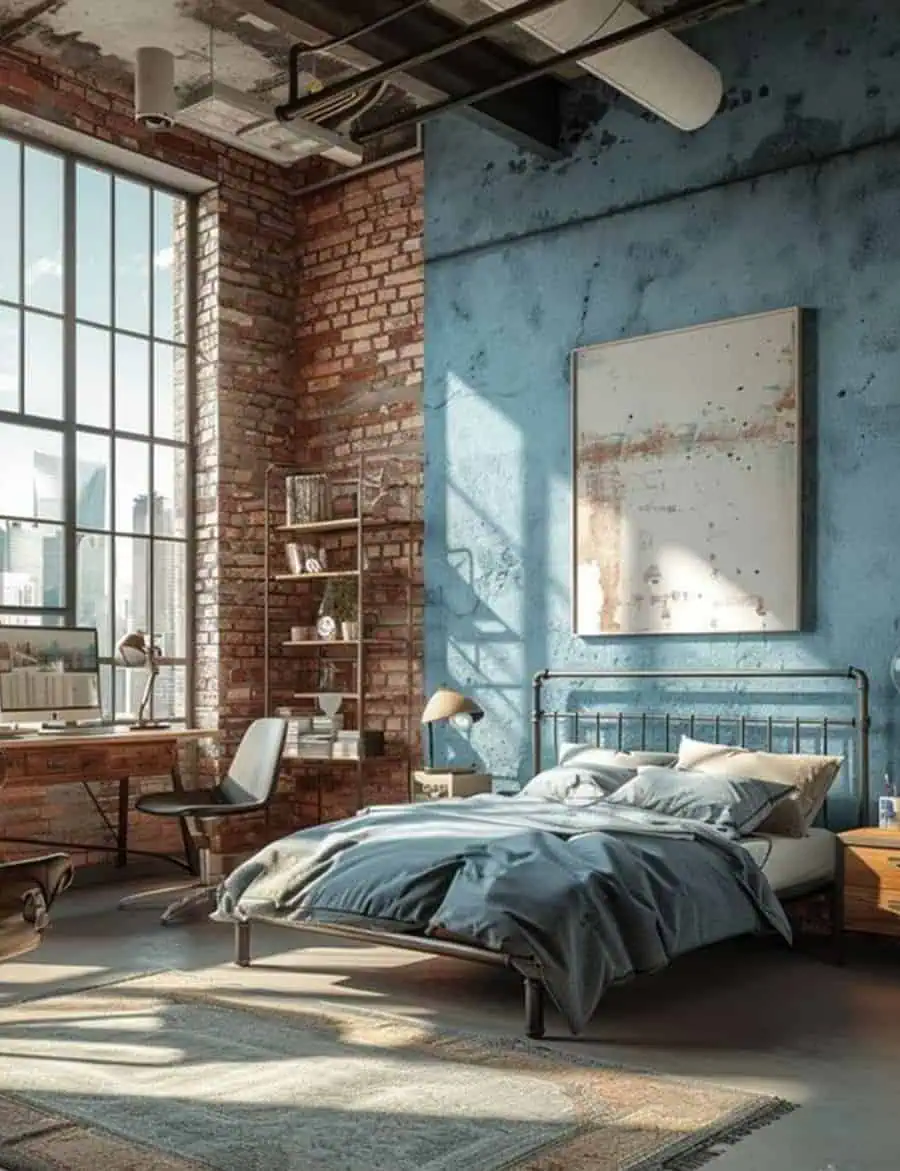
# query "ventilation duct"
(657, 71)
(229, 115)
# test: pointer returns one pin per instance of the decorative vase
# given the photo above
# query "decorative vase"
(349, 631)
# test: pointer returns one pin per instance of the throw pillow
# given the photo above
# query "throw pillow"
(734, 805)
(810, 778)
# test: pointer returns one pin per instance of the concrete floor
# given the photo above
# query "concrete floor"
(749, 1015)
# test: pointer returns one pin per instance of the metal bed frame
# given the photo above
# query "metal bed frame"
(618, 723)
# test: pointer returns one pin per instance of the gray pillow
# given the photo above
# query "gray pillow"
(576, 785)
(734, 805)
(591, 756)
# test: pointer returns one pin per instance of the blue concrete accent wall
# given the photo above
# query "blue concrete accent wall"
(791, 196)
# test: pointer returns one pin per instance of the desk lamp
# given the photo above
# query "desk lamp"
(134, 650)
(460, 710)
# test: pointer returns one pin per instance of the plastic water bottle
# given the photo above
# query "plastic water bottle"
(888, 806)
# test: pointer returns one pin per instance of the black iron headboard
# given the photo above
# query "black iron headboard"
(648, 729)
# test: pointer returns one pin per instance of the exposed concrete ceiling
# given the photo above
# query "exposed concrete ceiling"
(245, 45)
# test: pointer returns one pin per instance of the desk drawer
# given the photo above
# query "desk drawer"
(89, 763)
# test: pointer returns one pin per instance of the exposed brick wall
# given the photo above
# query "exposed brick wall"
(309, 348)
(245, 415)
(360, 315)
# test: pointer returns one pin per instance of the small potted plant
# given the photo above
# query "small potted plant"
(344, 609)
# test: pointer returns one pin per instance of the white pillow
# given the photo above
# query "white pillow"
(588, 754)
(576, 785)
(810, 778)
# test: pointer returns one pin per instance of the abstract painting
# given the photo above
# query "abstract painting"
(687, 480)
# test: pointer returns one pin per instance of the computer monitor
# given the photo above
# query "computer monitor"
(49, 675)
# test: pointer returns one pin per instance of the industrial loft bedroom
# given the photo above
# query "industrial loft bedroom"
(449, 635)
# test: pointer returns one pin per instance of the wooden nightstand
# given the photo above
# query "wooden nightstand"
(434, 786)
(870, 881)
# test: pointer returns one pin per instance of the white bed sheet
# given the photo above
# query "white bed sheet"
(794, 862)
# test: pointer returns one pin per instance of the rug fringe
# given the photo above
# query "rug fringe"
(702, 1149)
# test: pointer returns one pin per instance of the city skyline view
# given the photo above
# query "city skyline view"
(92, 371)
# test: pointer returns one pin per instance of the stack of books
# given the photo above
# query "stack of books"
(334, 745)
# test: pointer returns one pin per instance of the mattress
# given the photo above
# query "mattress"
(789, 863)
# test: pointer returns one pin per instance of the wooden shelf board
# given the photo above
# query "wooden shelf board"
(321, 526)
(326, 759)
(315, 694)
(396, 640)
(313, 576)
(324, 642)
(342, 523)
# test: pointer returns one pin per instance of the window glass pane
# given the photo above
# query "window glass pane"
(169, 267)
(93, 240)
(9, 355)
(169, 598)
(43, 366)
(9, 218)
(93, 586)
(169, 470)
(26, 619)
(132, 215)
(170, 694)
(31, 564)
(92, 366)
(32, 481)
(169, 392)
(132, 489)
(43, 229)
(132, 384)
(132, 597)
(92, 477)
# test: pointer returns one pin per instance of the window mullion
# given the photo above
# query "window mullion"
(70, 470)
(21, 279)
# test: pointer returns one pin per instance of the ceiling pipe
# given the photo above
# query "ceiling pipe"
(679, 14)
(297, 104)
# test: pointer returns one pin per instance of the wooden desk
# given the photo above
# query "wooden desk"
(38, 760)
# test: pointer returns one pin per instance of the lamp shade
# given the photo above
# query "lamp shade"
(445, 704)
(133, 649)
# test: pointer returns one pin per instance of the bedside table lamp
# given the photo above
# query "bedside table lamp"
(448, 705)
(133, 650)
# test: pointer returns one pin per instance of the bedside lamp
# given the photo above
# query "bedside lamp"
(133, 650)
(448, 705)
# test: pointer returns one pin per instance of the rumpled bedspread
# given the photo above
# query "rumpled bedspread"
(592, 894)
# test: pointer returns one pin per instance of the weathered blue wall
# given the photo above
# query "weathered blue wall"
(790, 197)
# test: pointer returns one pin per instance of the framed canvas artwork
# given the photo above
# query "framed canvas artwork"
(686, 493)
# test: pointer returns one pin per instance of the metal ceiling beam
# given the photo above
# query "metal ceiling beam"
(530, 118)
(462, 37)
(682, 14)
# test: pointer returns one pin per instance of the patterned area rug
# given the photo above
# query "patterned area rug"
(160, 1073)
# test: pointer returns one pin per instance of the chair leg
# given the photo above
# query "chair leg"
(196, 899)
(158, 892)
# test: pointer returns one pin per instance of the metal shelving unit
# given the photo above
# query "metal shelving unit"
(347, 655)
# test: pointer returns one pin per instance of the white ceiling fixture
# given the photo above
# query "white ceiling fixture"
(229, 115)
(658, 71)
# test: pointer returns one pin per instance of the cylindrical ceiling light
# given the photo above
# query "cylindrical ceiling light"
(154, 88)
